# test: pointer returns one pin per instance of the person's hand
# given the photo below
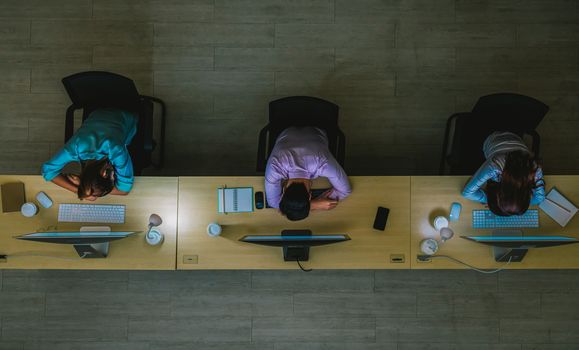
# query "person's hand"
(73, 178)
(91, 198)
(323, 204)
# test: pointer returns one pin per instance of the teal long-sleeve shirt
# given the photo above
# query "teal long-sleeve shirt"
(105, 133)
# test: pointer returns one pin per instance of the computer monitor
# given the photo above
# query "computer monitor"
(512, 245)
(295, 243)
(88, 244)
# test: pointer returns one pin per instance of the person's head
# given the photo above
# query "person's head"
(295, 201)
(512, 195)
(96, 179)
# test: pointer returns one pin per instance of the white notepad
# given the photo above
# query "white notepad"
(558, 207)
(235, 200)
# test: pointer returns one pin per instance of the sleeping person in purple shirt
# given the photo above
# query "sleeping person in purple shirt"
(299, 156)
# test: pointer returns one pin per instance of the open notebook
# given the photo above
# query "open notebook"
(558, 207)
(235, 200)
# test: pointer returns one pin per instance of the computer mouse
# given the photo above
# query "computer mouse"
(43, 199)
(455, 209)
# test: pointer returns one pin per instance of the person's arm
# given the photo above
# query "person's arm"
(124, 179)
(65, 182)
(334, 172)
(473, 188)
(539, 191)
(273, 184)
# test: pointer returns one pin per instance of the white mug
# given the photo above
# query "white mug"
(440, 222)
(29, 209)
(214, 229)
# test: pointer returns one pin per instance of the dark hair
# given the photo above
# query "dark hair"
(512, 195)
(295, 202)
(92, 183)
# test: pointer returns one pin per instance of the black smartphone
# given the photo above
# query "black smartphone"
(381, 218)
(259, 200)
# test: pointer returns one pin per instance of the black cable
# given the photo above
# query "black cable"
(301, 267)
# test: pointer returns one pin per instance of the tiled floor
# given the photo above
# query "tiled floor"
(397, 68)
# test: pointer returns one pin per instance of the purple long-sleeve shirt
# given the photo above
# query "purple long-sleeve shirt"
(303, 153)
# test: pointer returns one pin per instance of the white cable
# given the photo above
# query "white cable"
(470, 266)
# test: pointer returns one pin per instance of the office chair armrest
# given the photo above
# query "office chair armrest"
(261, 149)
(444, 154)
(341, 152)
(69, 122)
(161, 161)
(536, 141)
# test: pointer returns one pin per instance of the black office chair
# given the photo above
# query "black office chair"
(93, 90)
(466, 132)
(301, 111)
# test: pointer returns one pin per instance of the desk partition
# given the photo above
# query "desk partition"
(368, 249)
(150, 195)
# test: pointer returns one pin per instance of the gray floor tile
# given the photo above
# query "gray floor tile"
(79, 328)
(175, 281)
(335, 346)
(434, 305)
(83, 345)
(376, 304)
(454, 346)
(64, 9)
(560, 306)
(14, 32)
(492, 305)
(209, 346)
(22, 303)
(547, 35)
(192, 82)
(464, 330)
(274, 59)
(550, 346)
(191, 329)
(557, 281)
(7, 345)
(517, 59)
(496, 11)
(540, 331)
(375, 10)
(315, 281)
(214, 34)
(270, 11)
(427, 34)
(15, 81)
(225, 303)
(322, 329)
(335, 35)
(67, 280)
(454, 281)
(150, 10)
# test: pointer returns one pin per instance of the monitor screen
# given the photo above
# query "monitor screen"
(522, 241)
(303, 240)
(75, 237)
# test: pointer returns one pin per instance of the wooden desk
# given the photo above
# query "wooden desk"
(150, 195)
(432, 196)
(368, 249)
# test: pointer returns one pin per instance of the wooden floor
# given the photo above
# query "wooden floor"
(397, 68)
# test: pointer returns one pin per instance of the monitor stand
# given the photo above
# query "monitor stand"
(95, 250)
(296, 253)
(505, 254)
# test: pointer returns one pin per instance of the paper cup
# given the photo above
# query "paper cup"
(213, 229)
(29, 209)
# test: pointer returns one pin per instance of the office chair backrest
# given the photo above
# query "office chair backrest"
(95, 89)
(514, 112)
(302, 111)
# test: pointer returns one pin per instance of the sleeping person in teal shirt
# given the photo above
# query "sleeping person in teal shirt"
(100, 146)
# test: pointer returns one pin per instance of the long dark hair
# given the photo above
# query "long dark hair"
(92, 182)
(512, 195)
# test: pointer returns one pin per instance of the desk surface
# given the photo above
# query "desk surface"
(150, 195)
(368, 249)
(432, 196)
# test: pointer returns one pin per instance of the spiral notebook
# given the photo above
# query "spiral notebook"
(558, 207)
(235, 200)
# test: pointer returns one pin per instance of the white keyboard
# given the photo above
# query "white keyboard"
(486, 219)
(96, 213)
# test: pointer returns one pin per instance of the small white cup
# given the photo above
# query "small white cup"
(214, 229)
(29, 209)
(440, 222)
(154, 237)
(445, 234)
(429, 246)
